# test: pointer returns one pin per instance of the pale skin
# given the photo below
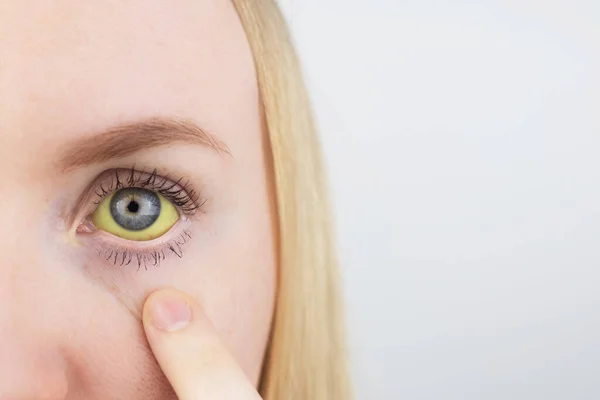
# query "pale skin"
(76, 302)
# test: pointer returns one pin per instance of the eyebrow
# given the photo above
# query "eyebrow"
(123, 140)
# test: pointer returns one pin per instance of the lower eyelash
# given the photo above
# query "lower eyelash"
(121, 256)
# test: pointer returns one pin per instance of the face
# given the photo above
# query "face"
(133, 158)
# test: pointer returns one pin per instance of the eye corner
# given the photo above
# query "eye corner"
(85, 227)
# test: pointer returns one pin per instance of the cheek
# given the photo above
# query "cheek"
(232, 276)
(104, 348)
(114, 359)
(237, 291)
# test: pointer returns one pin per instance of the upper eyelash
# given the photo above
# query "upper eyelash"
(180, 194)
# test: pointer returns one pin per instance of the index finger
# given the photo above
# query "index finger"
(190, 352)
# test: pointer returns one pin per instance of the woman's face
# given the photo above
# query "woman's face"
(133, 158)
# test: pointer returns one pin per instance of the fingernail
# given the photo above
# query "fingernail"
(170, 312)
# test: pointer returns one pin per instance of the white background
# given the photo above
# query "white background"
(463, 140)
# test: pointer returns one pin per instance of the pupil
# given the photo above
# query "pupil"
(133, 206)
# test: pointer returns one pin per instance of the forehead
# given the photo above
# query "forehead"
(68, 65)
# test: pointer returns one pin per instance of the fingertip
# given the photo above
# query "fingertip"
(167, 310)
(189, 350)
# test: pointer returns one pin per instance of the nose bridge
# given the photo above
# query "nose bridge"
(19, 245)
(31, 365)
(29, 279)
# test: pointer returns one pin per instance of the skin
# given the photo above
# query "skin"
(71, 322)
(177, 327)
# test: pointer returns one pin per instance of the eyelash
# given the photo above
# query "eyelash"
(181, 195)
(124, 256)
(179, 192)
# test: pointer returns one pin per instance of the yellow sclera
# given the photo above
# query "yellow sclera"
(103, 220)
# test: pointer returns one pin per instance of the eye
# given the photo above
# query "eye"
(135, 214)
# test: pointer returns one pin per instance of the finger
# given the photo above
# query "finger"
(189, 351)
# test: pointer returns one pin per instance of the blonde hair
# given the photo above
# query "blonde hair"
(306, 357)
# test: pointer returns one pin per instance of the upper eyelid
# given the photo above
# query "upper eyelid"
(115, 178)
(175, 190)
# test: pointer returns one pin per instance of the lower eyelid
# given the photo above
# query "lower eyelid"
(126, 253)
